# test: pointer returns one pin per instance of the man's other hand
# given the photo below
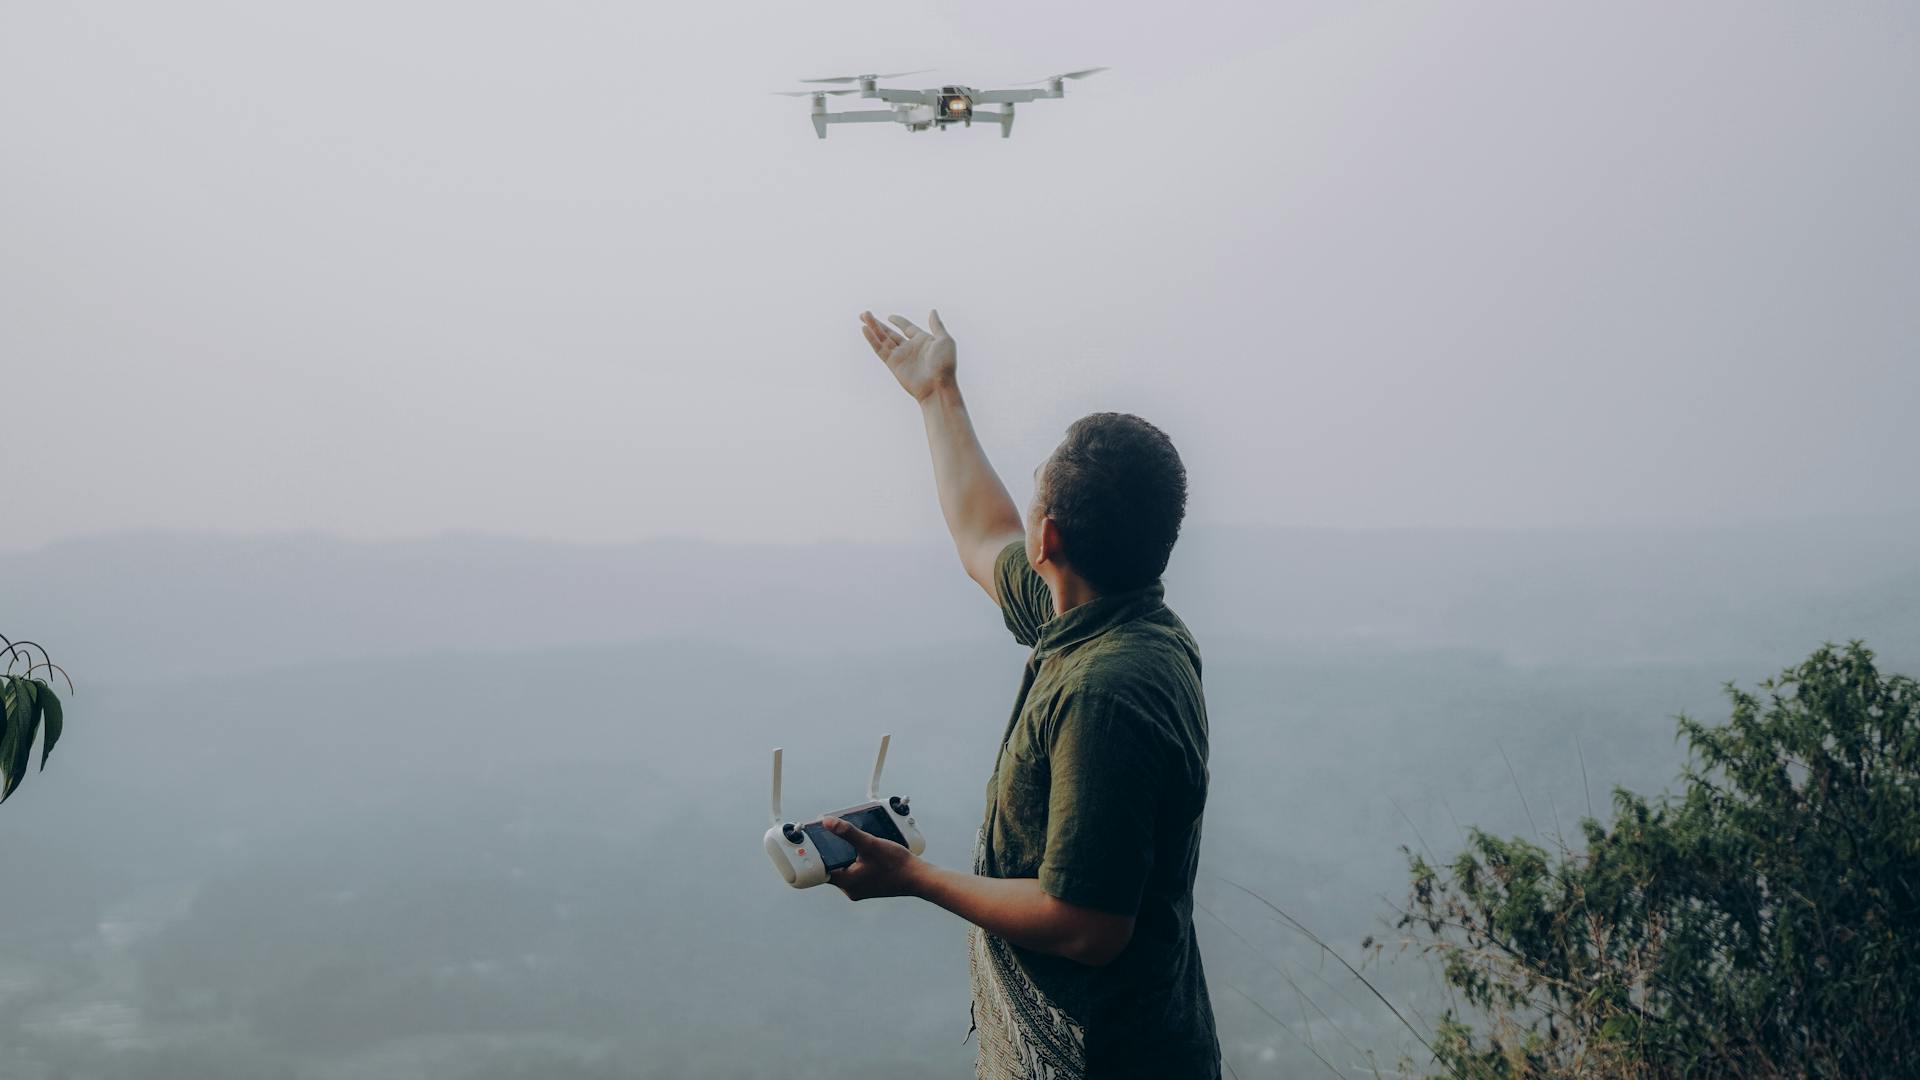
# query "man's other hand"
(922, 360)
(881, 867)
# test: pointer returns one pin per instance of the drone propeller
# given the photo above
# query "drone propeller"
(857, 78)
(1067, 75)
(811, 93)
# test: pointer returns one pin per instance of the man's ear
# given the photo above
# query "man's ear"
(1050, 544)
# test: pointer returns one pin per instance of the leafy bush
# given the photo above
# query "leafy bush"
(1763, 922)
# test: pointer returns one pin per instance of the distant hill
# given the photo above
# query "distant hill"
(140, 604)
(1566, 596)
(134, 605)
(517, 832)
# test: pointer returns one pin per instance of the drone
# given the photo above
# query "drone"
(938, 108)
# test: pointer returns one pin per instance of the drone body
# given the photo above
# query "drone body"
(937, 107)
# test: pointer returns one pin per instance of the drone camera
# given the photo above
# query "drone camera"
(955, 103)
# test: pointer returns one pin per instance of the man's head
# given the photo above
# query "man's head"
(1108, 502)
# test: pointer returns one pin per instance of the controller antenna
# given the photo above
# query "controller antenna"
(777, 819)
(879, 763)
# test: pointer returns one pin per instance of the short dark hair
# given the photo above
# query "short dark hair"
(1116, 490)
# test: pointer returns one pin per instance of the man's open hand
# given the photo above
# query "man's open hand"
(882, 867)
(923, 360)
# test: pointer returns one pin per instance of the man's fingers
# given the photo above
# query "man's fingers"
(883, 340)
(878, 327)
(862, 841)
(934, 323)
(905, 325)
(885, 332)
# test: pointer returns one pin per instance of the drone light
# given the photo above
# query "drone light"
(958, 104)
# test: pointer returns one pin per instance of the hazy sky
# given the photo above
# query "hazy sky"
(567, 270)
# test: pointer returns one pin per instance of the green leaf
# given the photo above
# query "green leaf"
(16, 747)
(54, 722)
(6, 706)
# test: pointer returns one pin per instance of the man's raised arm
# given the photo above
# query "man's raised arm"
(980, 514)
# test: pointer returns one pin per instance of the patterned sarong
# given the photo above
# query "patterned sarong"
(1022, 1035)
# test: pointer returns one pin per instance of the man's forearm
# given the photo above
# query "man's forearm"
(1018, 910)
(980, 514)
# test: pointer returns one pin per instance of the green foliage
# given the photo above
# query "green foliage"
(1763, 922)
(28, 707)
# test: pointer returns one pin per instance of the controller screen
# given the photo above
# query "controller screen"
(837, 853)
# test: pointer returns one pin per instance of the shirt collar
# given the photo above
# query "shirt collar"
(1096, 617)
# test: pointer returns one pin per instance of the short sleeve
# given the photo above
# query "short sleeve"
(1025, 600)
(1107, 775)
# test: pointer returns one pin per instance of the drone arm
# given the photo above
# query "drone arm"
(863, 116)
(900, 97)
(1004, 118)
(1009, 97)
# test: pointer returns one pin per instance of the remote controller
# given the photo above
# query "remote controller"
(805, 852)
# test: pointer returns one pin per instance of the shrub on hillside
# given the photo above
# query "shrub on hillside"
(1764, 921)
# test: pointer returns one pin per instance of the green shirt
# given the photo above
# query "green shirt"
(1098, 792)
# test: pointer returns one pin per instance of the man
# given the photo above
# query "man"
(1081, 896)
